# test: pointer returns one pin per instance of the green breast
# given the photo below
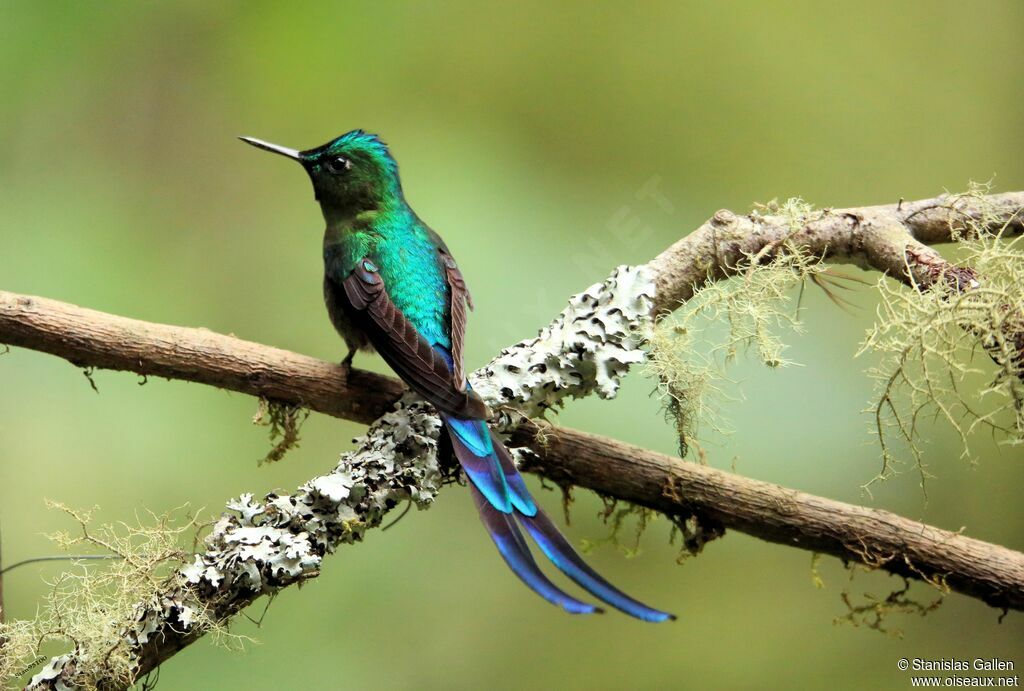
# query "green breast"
(405, 252)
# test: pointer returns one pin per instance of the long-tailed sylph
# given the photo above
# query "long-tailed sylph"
(391, 284)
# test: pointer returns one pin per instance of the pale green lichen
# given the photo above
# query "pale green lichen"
(88, 605)
(691, 350)
(952, 351)
(628, 522)
(871, 611)
(816, 578)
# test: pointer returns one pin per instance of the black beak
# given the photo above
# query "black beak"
(267, 146)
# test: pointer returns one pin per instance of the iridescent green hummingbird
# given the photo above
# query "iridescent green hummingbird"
(391, 284)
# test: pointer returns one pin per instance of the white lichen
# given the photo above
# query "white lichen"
(586, 349)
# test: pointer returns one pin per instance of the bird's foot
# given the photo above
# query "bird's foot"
(346, 364)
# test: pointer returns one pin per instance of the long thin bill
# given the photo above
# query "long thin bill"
(274, 148)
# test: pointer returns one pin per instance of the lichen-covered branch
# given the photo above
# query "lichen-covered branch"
(261, 546)
(890, 238)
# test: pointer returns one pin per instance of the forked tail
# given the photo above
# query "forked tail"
(505, 503)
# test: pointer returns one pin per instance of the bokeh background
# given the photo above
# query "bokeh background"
(523, 133)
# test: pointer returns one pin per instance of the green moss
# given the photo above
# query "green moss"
(284, 420)
(875, 613)
(616, 515)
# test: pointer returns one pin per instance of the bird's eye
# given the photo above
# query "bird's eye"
(339, 165)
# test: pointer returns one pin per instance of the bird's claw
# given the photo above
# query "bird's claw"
(346, 364)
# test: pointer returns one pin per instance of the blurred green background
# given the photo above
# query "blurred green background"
(523, 133)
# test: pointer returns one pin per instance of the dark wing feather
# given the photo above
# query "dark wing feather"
(396, 339)
(458, 301)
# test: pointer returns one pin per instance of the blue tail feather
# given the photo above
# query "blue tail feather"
(489, 466)
(513, 548)
(484, 473)
(501, 497)
(520, 496)
(562, 555)
(473, 433)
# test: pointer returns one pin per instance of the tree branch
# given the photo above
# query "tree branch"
(873, 537)
(587, 349)
(888, 238)
(87, 338)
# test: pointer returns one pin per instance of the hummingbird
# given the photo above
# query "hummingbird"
(392, 285)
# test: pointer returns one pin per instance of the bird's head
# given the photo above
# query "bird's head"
(350, 174)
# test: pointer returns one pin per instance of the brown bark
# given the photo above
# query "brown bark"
(88, 338)
(770, 512)
(93, 339)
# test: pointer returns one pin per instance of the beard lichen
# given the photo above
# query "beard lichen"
(952, 350)
(691, 350)
(88, 606)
